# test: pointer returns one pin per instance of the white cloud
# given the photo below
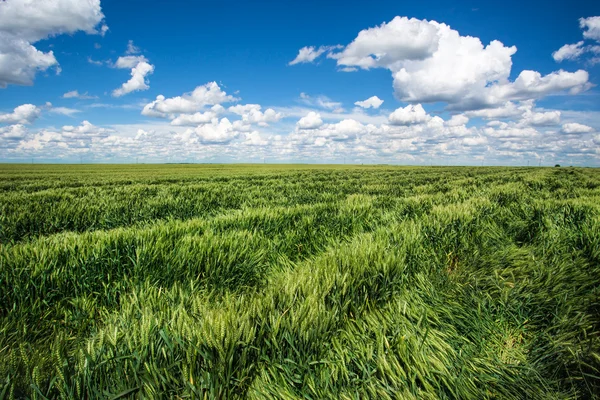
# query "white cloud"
(374, 102)
(137, 81)
(524, 111)
(13, 132)
(254, 138)
(569, 52)
(457, 120)
(25, 22)
(94, 62)
(506, 110)
(74, 94)
(574, 128)
(475, 141)
(321, 102)
(355, 113)
(591, 31)
(505, 130)
(385, 45)
(131, 48)
(35, 20)
(140, 69)
(347, 127)
(20, 61)
(252, 114)
(591, 27)
(69, 112)
(312, 120)
(69, 137)
(409, 115)
(141, 134)
(127, 62)
(217, 132)
(512, 142)
(23, 114)
(242, 109)
(208, 94)
(430, 62)
(531, 84)
(343, 130)
(129, 106)
(309, 54)
(541, 118)
(85, 130)
(194, 119)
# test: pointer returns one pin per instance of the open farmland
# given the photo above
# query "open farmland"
(284, 282)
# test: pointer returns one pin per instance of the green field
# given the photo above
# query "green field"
(299, 282)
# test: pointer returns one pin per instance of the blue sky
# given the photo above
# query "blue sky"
(463, 83)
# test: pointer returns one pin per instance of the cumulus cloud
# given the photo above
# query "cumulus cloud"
(390, 43)
(575, 128)
(34, 20)
(254, 139)
(504, 130)
(13, 132)
(202, 108)
(529, 134)
(68, 137)
(140, 69)
(252, 114)
(507, 110)
(409, 115)
(372, 102)
(457, 120)
(548, 118)
(569, 52)
(194, 119)
(86, 130)
(205, 95)
(591, 27)
(523, 112)
(23, 114)
(312, 120)
(20, 61)
(127, 62)
(137, 81)
(141, 133)
(475, 141)
(591, 31)
(74, 94)
(344, 129)
(310, 131)
(217, 132)
(431, 62)
(25, 22)
(531, 84)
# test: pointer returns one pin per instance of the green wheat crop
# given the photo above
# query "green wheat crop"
(299, 282)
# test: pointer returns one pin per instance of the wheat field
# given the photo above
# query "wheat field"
(299, 282)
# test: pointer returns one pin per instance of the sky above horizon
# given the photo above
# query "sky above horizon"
(417, 83)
